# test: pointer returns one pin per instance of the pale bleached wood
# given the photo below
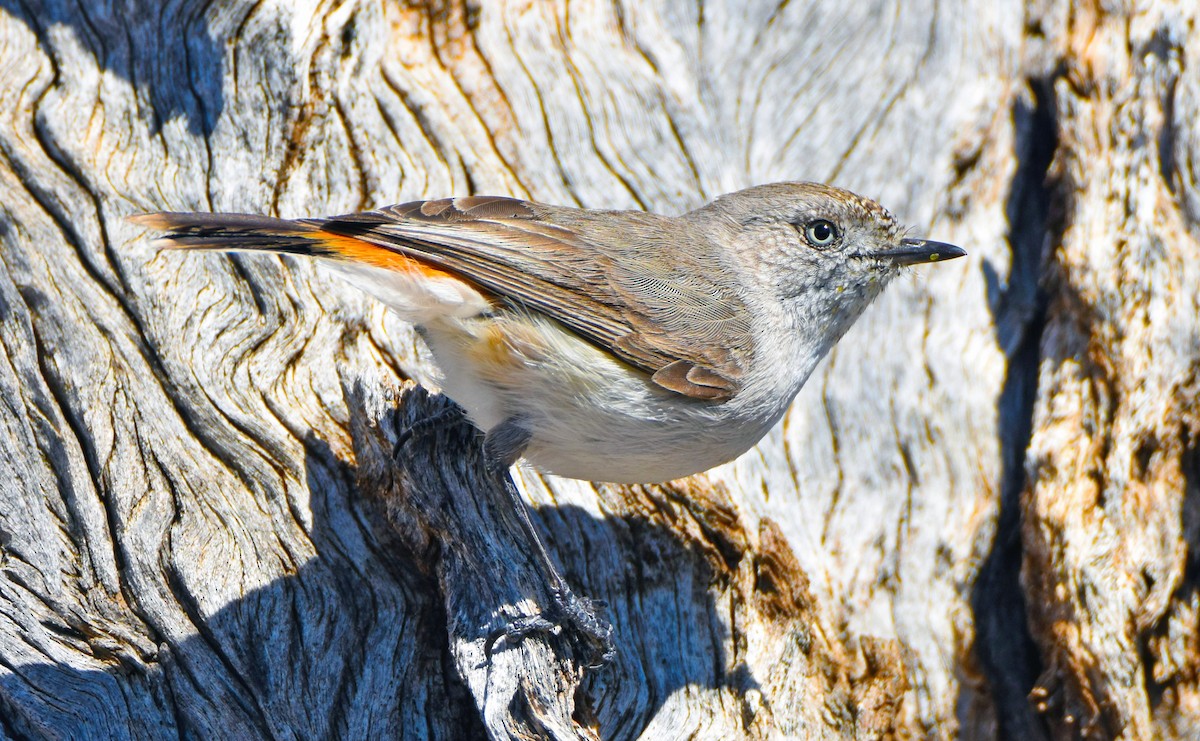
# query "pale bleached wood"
(204, 530)
(1109, 521)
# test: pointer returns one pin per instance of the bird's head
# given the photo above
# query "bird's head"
(823, 252)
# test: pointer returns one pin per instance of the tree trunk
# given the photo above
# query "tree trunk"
(227, 511)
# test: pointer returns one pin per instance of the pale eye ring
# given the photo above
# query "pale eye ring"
(821, 233)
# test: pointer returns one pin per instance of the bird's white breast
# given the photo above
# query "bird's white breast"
(591, 416)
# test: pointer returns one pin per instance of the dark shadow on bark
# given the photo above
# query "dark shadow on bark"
(350, 645)
(1004, 645)
(165, 50)
(354, 643)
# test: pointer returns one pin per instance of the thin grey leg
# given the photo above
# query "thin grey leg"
(502, 447)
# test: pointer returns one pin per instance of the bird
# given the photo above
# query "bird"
(606, 345)
(611, 346)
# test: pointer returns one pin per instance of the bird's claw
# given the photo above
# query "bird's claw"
(568, 614)
(448, 414)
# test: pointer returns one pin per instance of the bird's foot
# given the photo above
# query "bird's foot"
(571, 615)
(447, 415)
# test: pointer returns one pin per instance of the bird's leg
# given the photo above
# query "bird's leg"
(502, 447)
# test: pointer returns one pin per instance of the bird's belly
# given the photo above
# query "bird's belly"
(590, 417)
(619, 446)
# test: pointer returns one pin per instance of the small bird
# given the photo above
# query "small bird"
(617, 346)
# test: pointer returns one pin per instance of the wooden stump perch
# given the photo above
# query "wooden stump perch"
(979, 520)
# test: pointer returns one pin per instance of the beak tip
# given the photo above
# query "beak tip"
(947, 252)
(915, 251)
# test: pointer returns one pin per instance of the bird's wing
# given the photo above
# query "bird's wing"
(619, 281)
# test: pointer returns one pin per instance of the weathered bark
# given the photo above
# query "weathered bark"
(981, 517)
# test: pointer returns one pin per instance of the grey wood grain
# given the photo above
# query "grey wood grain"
(977, 520)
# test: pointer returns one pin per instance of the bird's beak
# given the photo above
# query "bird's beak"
(918, 251)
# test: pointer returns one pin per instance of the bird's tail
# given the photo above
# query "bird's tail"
(236, 232)
(420, 292)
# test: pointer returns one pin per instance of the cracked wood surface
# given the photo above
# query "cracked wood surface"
(979, 519)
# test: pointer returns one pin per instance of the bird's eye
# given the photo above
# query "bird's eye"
(820, 233)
